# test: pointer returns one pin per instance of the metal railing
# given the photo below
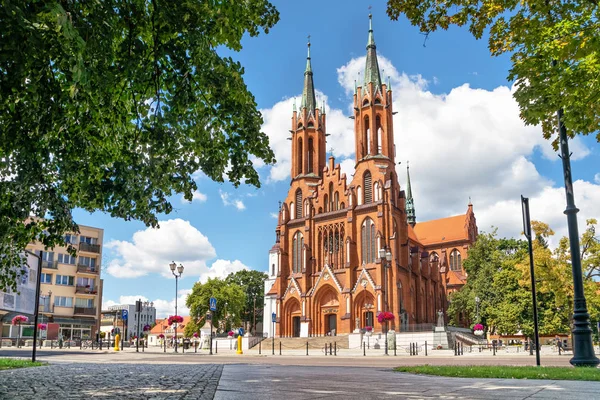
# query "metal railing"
(50, 264)
(91, 248)
(87, 269)
(85, 310)
(256, 339)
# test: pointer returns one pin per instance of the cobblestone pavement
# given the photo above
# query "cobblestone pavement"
(111, 381)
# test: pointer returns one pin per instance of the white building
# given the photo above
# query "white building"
(270, 305)
(147, 317)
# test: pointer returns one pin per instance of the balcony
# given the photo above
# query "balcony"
(90, 248)
(50, 264)
(86, 289)
(85, 310)
(87, 269)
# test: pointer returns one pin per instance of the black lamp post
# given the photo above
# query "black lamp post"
(177, 275)
(386, 258)
(583, 347)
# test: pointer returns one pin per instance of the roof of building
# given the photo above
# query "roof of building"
(443, 229)
(273, 290)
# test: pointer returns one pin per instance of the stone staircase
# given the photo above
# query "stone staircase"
(298, 343)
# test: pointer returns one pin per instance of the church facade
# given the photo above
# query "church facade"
(346, 251)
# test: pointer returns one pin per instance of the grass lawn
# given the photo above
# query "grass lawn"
(10, 363)
(506, 372)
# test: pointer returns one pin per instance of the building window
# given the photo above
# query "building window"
(297, 245)
(46, 255)
(310, 155)
(455, 263)
(66, 259)
(88, 240)
(60, 301)
(376, 191)
(368, 187)
(70, 239)
(368, 241)
(85, 282)
(46, 278)
(299, 156)
(85, 303)
(298, 203)
(273, 269)
(65, 280)
(87, 261)
(434, 257)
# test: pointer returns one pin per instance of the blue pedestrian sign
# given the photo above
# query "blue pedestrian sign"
(124, 315)
(212, 304)
(274, 317)
(241, 331)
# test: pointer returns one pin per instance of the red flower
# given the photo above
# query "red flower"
(385, 316)
(195, 334)
(19, 319)
(42, 327)
(161, 336)
(175, 319)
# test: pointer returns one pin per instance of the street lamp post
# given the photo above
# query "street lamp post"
(177, 275)
(386, 258)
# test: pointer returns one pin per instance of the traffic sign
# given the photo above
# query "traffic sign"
(124, 315)
(274, 317)
(241, 331)
(212, 304)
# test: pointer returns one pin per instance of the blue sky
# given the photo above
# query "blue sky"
(456, 123)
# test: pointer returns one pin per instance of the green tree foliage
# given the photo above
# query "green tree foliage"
(535, 33)
(499, 274)
(114, 105)
(231, 300)
(191, 328)
(253, 283)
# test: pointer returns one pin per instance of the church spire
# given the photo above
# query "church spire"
(410, 206)
(372, 67)
(308, 93)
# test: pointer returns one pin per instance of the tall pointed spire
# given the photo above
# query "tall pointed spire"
(410, 205)
(372, 67)
(308, 93)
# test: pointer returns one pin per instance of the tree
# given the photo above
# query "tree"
(253, 284)
(113, 106)
(191, 328)
(554, 47)
(231, 300)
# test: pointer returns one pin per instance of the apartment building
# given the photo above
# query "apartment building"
(71, 288)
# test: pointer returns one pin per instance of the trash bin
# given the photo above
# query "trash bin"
(186, 344)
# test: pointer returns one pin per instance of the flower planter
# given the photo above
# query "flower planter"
(478, 333)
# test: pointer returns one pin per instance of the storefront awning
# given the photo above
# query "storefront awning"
(75, 321)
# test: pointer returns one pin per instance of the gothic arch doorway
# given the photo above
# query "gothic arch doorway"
(327, 307)
(331, 324)
(292, 314)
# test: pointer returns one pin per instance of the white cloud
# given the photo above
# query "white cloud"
(151, 251)
(274, 215)
(196, 197)
(468, 142)
(229, 201)
(221, 268)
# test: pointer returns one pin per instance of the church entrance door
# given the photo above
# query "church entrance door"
(296, 326)
(331, 324)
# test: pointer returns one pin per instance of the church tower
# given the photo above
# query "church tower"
(308, 132)
(374, 135)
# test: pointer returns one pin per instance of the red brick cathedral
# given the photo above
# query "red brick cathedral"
(345, 252)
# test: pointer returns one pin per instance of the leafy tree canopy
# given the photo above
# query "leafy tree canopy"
(253, 283)
(231, 300)
(113, 106)
(554, 47)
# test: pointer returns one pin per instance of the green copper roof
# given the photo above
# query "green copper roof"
(308, 92)
(410, 206)
(372, 67)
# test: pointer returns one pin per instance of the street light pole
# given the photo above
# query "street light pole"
(177, 276)
(36, 304)
(386, 258)
(527, 231)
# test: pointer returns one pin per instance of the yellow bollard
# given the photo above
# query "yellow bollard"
(239, 345)
(117, 338)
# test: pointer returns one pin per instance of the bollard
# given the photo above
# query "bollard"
(182, 348)
(364, 349)
(325, 348)
(80, 344)
(273, 346)
(165, 345)
(335, 348)
(494, 348)
(279, 348)
(559, 351)
(455, 349)
(195, 347)
(416, 348)
(259, 347)
(395, 347)
(410, 349)
(426, 348)
(216, 346)
(530, 348)
(306, 348)
(143, 348)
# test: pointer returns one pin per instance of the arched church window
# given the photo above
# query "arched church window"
(368, 241)
(379, 134)
(433, 257)
(292, 211)
(299, 166)
(342, 205)
(310, 155)
(326, 202)
(299, 125)
(298, 203)
(332, 203)
(368, 187)
(310, 124)
(376, 193)
(367, 135)
(455, 262)
(297, 258)
(365, 102)
(359, 197)
(272, 269)
(336, 200)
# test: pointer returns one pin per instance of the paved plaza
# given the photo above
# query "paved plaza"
(74, 374)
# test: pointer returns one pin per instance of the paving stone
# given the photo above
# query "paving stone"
(125, 381)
